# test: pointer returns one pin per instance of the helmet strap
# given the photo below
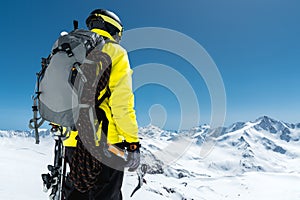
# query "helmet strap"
(103, 33)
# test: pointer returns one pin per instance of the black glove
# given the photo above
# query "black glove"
(133, 159)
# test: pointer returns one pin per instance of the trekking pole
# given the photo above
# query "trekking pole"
(55, 180)
(63, 175)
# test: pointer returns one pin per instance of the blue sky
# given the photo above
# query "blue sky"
(255, 45)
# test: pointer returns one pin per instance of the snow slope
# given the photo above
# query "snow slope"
(250, 160)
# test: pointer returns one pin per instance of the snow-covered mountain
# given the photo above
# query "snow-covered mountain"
(17, 133)
(261, 146)
(243, 159)
(252, 143)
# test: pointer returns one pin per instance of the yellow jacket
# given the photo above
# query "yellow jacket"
(119, 107)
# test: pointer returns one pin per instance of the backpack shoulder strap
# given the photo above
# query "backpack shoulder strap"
(104, 96)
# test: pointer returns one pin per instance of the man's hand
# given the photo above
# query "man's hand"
(133, 159)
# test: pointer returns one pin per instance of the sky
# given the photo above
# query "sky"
(254, 44)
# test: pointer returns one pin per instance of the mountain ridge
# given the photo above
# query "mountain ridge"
(261, 146)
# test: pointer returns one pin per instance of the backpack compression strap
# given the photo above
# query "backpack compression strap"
(63, 47)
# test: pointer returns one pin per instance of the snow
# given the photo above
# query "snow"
(22, 163)
(244, 164)
(252, 185)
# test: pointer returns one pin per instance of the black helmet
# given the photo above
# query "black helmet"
(107, 21)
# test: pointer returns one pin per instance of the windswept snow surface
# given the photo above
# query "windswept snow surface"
(251, 160)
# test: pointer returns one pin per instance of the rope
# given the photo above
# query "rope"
(84, 168)
(85, 165)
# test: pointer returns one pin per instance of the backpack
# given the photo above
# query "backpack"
(70, 79)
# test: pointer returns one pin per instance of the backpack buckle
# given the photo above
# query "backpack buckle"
(67, 48)
(63, 47)
(133, 147)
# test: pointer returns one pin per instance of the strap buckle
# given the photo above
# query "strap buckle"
(133, 147)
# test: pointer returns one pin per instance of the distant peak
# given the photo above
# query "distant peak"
(267, 120)
(151, 126)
